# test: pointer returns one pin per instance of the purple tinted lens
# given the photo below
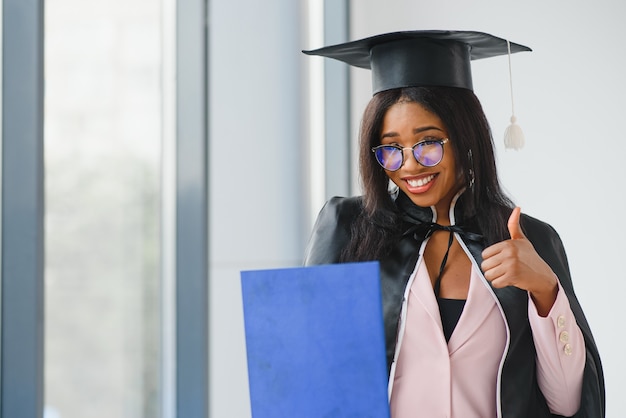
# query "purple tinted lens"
(428, 154)
(389, 157)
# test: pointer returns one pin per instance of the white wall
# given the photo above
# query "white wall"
(566, 94)
(569, 100)
(256, 173)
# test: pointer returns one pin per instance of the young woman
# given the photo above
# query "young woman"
(480, 314)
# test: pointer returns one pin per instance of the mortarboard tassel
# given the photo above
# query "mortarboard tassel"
(513, 136)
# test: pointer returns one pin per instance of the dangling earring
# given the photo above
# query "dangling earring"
(471, 171)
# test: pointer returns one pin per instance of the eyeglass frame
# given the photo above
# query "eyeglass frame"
(441, 142)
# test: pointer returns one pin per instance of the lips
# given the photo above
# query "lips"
(420, 184)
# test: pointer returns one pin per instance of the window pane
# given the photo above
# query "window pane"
(103, 149)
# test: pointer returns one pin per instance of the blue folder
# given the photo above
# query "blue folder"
(315, 342)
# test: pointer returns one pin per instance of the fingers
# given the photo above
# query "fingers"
(514, 262)
(515, 230)
(500, 262)
(491, 251)
(494, 273)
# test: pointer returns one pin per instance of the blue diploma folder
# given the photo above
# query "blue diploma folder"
(315, 342)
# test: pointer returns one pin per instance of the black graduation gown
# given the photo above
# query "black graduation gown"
(520, 393)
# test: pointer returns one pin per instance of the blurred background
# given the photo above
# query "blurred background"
(279, 132)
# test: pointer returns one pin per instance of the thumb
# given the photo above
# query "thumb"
(514, 228)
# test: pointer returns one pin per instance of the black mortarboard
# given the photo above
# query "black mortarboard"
(419, 58)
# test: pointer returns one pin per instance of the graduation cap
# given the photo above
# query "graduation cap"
(421, 57)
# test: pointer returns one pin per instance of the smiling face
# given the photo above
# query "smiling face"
(405, 124)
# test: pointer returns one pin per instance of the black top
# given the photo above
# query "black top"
(450, 311)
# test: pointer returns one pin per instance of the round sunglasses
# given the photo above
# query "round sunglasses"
(428, 153)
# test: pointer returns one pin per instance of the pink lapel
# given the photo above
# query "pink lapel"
(422, 290)
(480, 303)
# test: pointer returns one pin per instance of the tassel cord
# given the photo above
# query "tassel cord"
(508, 45)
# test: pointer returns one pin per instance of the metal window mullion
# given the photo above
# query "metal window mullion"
(168, 209)
(22, 209)
(191, 210)
(337, 103)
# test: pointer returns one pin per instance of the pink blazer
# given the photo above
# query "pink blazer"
(430, 378)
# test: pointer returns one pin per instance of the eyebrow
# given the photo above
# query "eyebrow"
(415, 131)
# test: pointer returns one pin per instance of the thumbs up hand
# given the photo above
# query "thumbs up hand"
(515, 230)
(515, 262)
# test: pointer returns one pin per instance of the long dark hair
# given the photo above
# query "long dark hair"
(462, 114)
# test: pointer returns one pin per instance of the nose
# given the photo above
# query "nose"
(408, 160)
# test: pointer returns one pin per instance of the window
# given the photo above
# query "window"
(102, 134)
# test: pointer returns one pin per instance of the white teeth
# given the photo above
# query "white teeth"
(420, 182)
